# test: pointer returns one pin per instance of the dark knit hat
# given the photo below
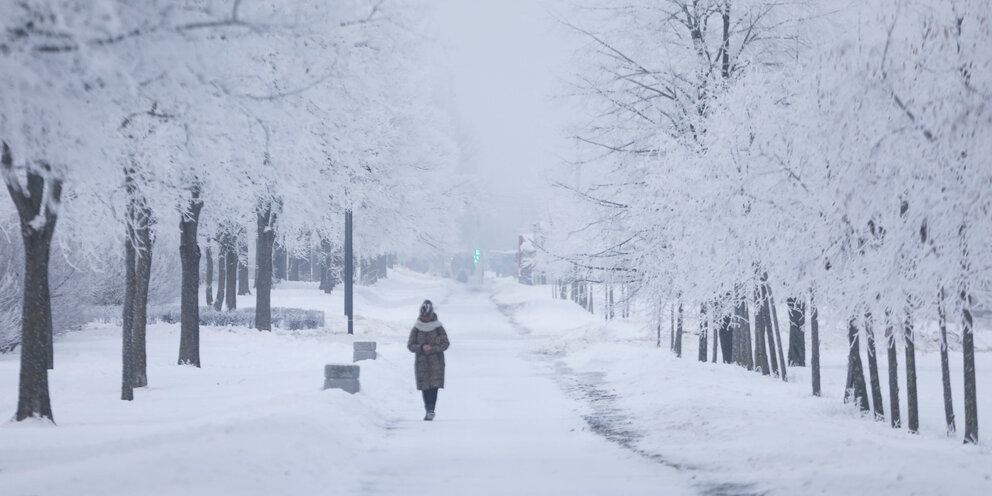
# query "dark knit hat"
(426, 308)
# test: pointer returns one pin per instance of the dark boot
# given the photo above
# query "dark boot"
(430, 399)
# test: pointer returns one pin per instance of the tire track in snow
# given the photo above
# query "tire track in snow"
(608, 420)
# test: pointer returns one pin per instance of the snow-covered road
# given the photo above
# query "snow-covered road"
(504, 426)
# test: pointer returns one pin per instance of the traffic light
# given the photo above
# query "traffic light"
(478, 254)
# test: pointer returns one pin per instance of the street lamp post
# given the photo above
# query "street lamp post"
(349, 267)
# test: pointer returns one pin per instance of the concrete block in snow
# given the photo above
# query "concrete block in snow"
(364, 350)
(364, 345)
(341, 377)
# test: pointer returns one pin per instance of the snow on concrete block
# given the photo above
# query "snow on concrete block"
(341, 377)
(364, 345)
(349, 385)
(364, 350)
(332, 371)
(363, 355)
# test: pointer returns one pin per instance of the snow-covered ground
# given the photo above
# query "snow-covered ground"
(541, 398)
(733, 430)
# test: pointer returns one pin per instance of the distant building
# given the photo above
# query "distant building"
(527, 272)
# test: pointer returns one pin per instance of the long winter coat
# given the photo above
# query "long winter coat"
(428, 366)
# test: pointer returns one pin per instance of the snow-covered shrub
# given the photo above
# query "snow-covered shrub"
(297, 318)
(10, 298)
(107, 280)
(284, 318)
(83, 288)
(68, 283)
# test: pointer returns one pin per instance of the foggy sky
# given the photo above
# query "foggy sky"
(506, 61)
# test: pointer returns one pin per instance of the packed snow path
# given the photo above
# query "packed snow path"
(504, 426)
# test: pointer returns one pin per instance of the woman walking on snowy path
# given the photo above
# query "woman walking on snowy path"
(428, 341)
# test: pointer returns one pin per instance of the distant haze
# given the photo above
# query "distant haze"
(506, 59)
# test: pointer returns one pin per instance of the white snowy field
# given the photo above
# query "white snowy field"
(541, 398)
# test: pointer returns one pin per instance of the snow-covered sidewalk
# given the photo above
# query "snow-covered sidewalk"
(504, 426)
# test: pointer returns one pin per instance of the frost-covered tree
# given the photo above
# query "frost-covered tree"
(218, 116)
(841, 160)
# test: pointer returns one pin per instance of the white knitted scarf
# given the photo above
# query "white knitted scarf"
(427, 326)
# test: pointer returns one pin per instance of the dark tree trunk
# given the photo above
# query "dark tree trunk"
(143, 272)
(716, 338)
(590, 298)
(231, 261)
(778, 335)
(970, 386)
(626, 306)
(221, 276)
(336, 268)
(875, 380)
(658, 341)
(912, 407)
(742, 336)
(678, 329)
(583, 294)
(703, 331)
(769, 328)
(189, 256)
(127, 319)
(611, 307)
(306, 267)
(49, 333)
(36, 200)
(727, 339)
(671, 337)
(814, 338)
(244, 284)
(760, 324)
(797, 339)
(325, 269)
(945, 368)
(294, 268)
(735, 334)
(266, 220)
(33, 398)
(210, 274)
(327, 273)
(137, 272)
(725, 47)
(890, 341)
(279, 264)
(855, 391)
(770, 341)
